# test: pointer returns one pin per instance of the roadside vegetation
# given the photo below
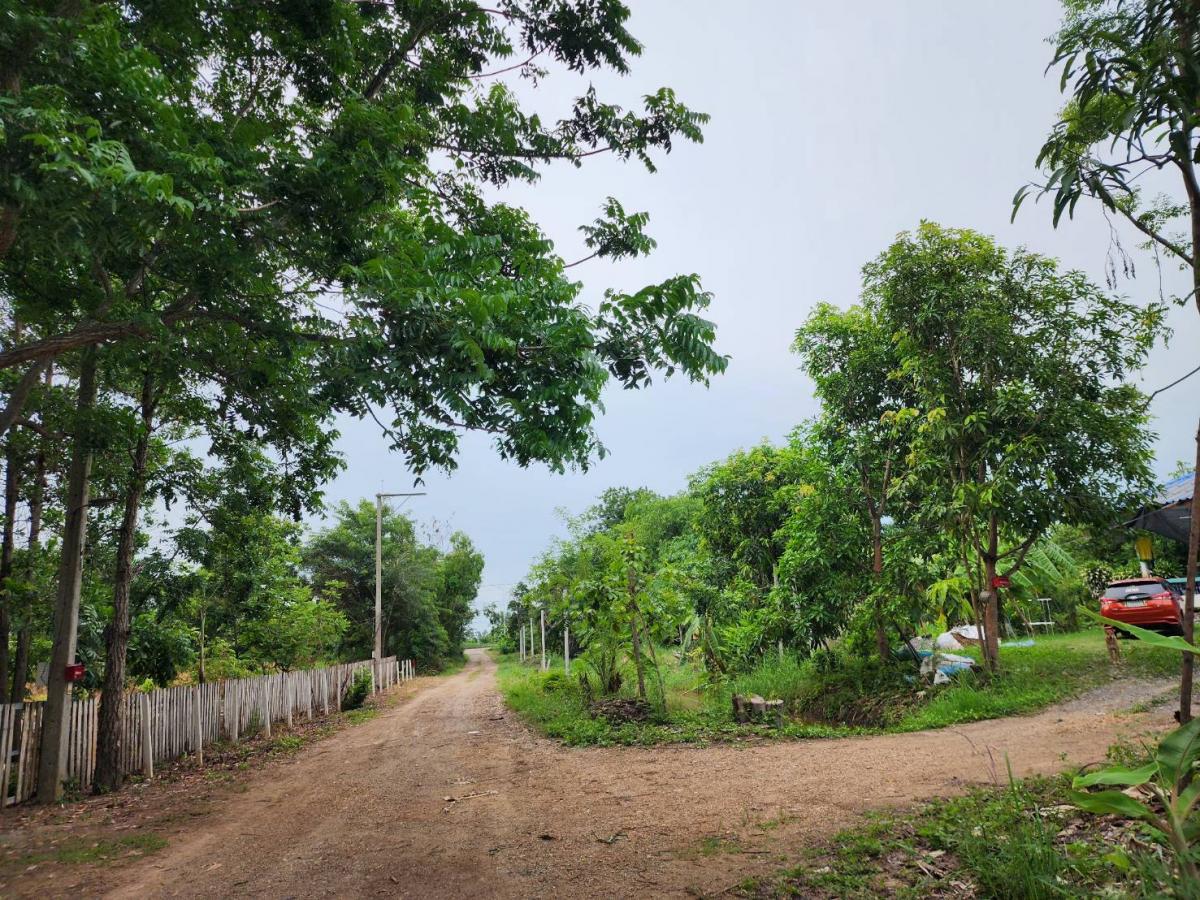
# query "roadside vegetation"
(824, 696)
(1025, 839)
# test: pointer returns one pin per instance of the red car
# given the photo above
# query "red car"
(1145, 602)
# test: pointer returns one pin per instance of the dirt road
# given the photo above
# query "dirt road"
(365, 813)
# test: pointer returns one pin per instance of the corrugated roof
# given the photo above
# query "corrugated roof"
(1177, 489)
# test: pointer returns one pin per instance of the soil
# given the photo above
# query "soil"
(448, 794)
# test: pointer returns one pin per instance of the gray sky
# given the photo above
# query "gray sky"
(834, 127)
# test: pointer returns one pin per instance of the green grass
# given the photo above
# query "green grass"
(556, 706)
(1020, 841)
(76, 851)
(1056, 668)
(828, 696)
(358, 716)
(288, 743)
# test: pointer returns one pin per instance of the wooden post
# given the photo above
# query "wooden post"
(197, 702)
(566, 647)
(147, 740)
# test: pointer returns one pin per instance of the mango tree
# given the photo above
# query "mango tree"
(1020, 375)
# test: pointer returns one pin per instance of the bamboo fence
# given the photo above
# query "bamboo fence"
(169, 723)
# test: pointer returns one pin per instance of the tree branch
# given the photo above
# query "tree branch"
(90, 333)
(20, 394)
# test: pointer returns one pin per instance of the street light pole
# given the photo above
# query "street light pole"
(379, 498)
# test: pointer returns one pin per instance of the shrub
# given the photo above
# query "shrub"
(359, 689)
(555, 681)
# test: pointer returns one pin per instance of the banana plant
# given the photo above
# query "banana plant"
(1167, 779)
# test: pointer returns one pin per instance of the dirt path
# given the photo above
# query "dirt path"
(364, 813)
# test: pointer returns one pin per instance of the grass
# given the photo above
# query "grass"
(556, 706)
(828, 695)
(1056, 668)
(1020, 841)
(77, 851)
(360, 715)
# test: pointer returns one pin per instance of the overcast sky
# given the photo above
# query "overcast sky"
(834, 127)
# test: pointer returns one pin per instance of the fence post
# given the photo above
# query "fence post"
(266, 703)
(197, 701)
(147, 740)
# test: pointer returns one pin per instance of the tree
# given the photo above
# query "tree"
(459, 574)
(1132, 68)
(427, 596)
(865, 418)
(314, 176)
(1018, 371)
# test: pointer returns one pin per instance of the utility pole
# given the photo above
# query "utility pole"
(379, 498)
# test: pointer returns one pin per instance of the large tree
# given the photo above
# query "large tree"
(865, 420)
(1019, 372)
(1131, 69)
(318, 175)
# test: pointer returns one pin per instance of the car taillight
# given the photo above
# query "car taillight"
(1165, 595)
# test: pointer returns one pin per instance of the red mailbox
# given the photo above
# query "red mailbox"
(75, 672)
(1000, 581)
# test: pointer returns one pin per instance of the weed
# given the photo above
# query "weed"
(288, 743)
(358, 690)
(1023, 841)
(828, 695)
(358, 716)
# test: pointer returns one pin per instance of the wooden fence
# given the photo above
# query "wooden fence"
(169, 723)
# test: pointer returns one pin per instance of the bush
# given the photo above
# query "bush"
(359, 689)
(555, 681)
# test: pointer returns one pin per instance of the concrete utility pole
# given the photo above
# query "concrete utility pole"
(379, 498)
(543, 640)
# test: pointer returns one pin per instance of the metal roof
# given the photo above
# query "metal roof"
(1177, 489)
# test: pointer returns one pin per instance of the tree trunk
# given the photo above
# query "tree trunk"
(631, 585)
(637, 657)
(52, 765)
(1189, 598)
(108, 776)
(881, 639)
(991, 628)
(25, 634)
(989, 601)
(11, 491)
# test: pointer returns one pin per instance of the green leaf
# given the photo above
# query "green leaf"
(1117, 775)
(1153, 638)
(1111, 803)
(1178, 751)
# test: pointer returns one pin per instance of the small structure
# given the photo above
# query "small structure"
(1171, 516)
